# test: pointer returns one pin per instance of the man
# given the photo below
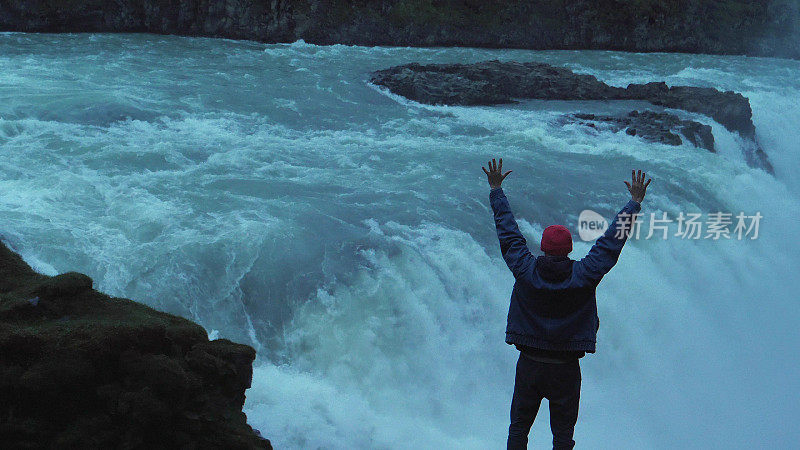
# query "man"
(553, 319)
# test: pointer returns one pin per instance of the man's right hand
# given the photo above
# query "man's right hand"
(637, 187)
(495, 174)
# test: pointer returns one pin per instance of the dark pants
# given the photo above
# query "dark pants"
(560, 384)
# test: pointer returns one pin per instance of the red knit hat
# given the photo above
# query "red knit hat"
(556, 240)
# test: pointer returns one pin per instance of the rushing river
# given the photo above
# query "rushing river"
(271, 194)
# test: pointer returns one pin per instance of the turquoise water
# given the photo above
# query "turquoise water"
(274, 196)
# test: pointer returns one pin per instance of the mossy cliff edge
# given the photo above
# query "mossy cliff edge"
(748, 27)
(81, 369)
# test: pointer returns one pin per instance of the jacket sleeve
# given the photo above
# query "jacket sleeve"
(605, 252)
(512, 243)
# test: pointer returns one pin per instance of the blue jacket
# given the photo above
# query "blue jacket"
(553, 305)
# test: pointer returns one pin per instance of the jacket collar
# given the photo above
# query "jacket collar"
(554, 269)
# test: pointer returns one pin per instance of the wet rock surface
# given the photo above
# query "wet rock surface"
(497, 82)
(654, 127)
(80, 369)
(490, 83)
(730, 109)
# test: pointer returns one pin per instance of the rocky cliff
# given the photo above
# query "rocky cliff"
(80, 369)
(766, 28)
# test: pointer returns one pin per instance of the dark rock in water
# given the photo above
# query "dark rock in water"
(443, 87)
(655, 127)
(699, 135)
(496, 82)
(757, 157)
(491, 83)
(80, 369)
(730, 109)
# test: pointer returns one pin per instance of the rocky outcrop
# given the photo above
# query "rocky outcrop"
(498, 82)
(729, 109)
(653, 126)
(80, 369)
(765, 28)
(490, 83)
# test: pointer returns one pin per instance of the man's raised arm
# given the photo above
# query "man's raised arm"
(512, 243)
(605, 252)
